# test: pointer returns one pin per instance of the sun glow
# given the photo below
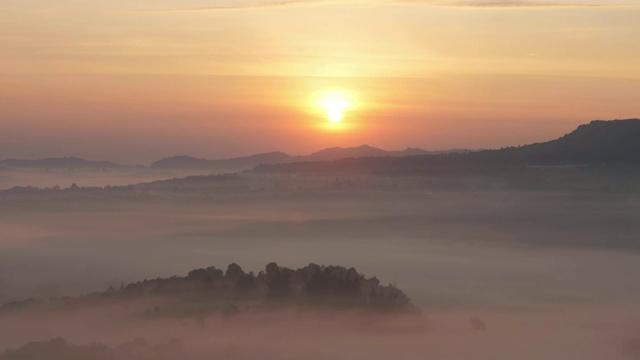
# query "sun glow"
(335, 115)
(335, 103)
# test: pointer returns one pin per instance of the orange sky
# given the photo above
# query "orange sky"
(134, 81)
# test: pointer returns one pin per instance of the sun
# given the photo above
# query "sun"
(335, 104)
(335, 115)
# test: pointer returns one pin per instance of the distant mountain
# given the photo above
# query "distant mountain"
(599, 142)
(340, 153)
(223, 165)
(249, 162)
(336, 153)
(58, 163)
(616, 141)
(181, 162)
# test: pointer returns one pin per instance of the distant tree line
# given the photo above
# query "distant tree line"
(312, 284)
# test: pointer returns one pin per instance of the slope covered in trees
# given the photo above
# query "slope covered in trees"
(213, 289)
(614, 142)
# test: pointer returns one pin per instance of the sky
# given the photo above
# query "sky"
(136, 80)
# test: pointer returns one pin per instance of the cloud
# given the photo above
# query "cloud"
(269, 4)
(529, 3)
(266, 4)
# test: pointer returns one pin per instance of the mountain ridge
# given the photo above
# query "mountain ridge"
(598, 142)
(184, 162)
(67, 162)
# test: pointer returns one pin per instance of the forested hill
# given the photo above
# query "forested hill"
(310, 285)
(614, 142)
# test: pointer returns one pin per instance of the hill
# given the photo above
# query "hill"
(616, 141)
(58, 163)
(223, 165)
(337, 153)
(212, 288)
(597, 143)
(249, 162)
(340, 153)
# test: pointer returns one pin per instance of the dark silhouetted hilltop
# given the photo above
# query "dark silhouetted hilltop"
(310, 285)
(223, 165)
(597, 143)
(335, 153)
(616, 141)
(249, 162)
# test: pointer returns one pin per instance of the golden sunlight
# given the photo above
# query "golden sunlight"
(334, 103)
(335, 115)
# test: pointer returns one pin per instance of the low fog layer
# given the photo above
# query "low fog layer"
(500, 273)
(63, 178)
(585, 333)
(483, 247)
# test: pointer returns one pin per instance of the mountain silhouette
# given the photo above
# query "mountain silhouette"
(616, 141)
(223, 165)
(58, 163)
(599, 142)
(339, 153)
(249, 162)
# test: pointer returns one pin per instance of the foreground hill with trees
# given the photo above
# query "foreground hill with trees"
(210, 290)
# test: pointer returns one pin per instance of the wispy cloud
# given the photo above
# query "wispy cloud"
(527, 3)
(256, 5)
(269, 4)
